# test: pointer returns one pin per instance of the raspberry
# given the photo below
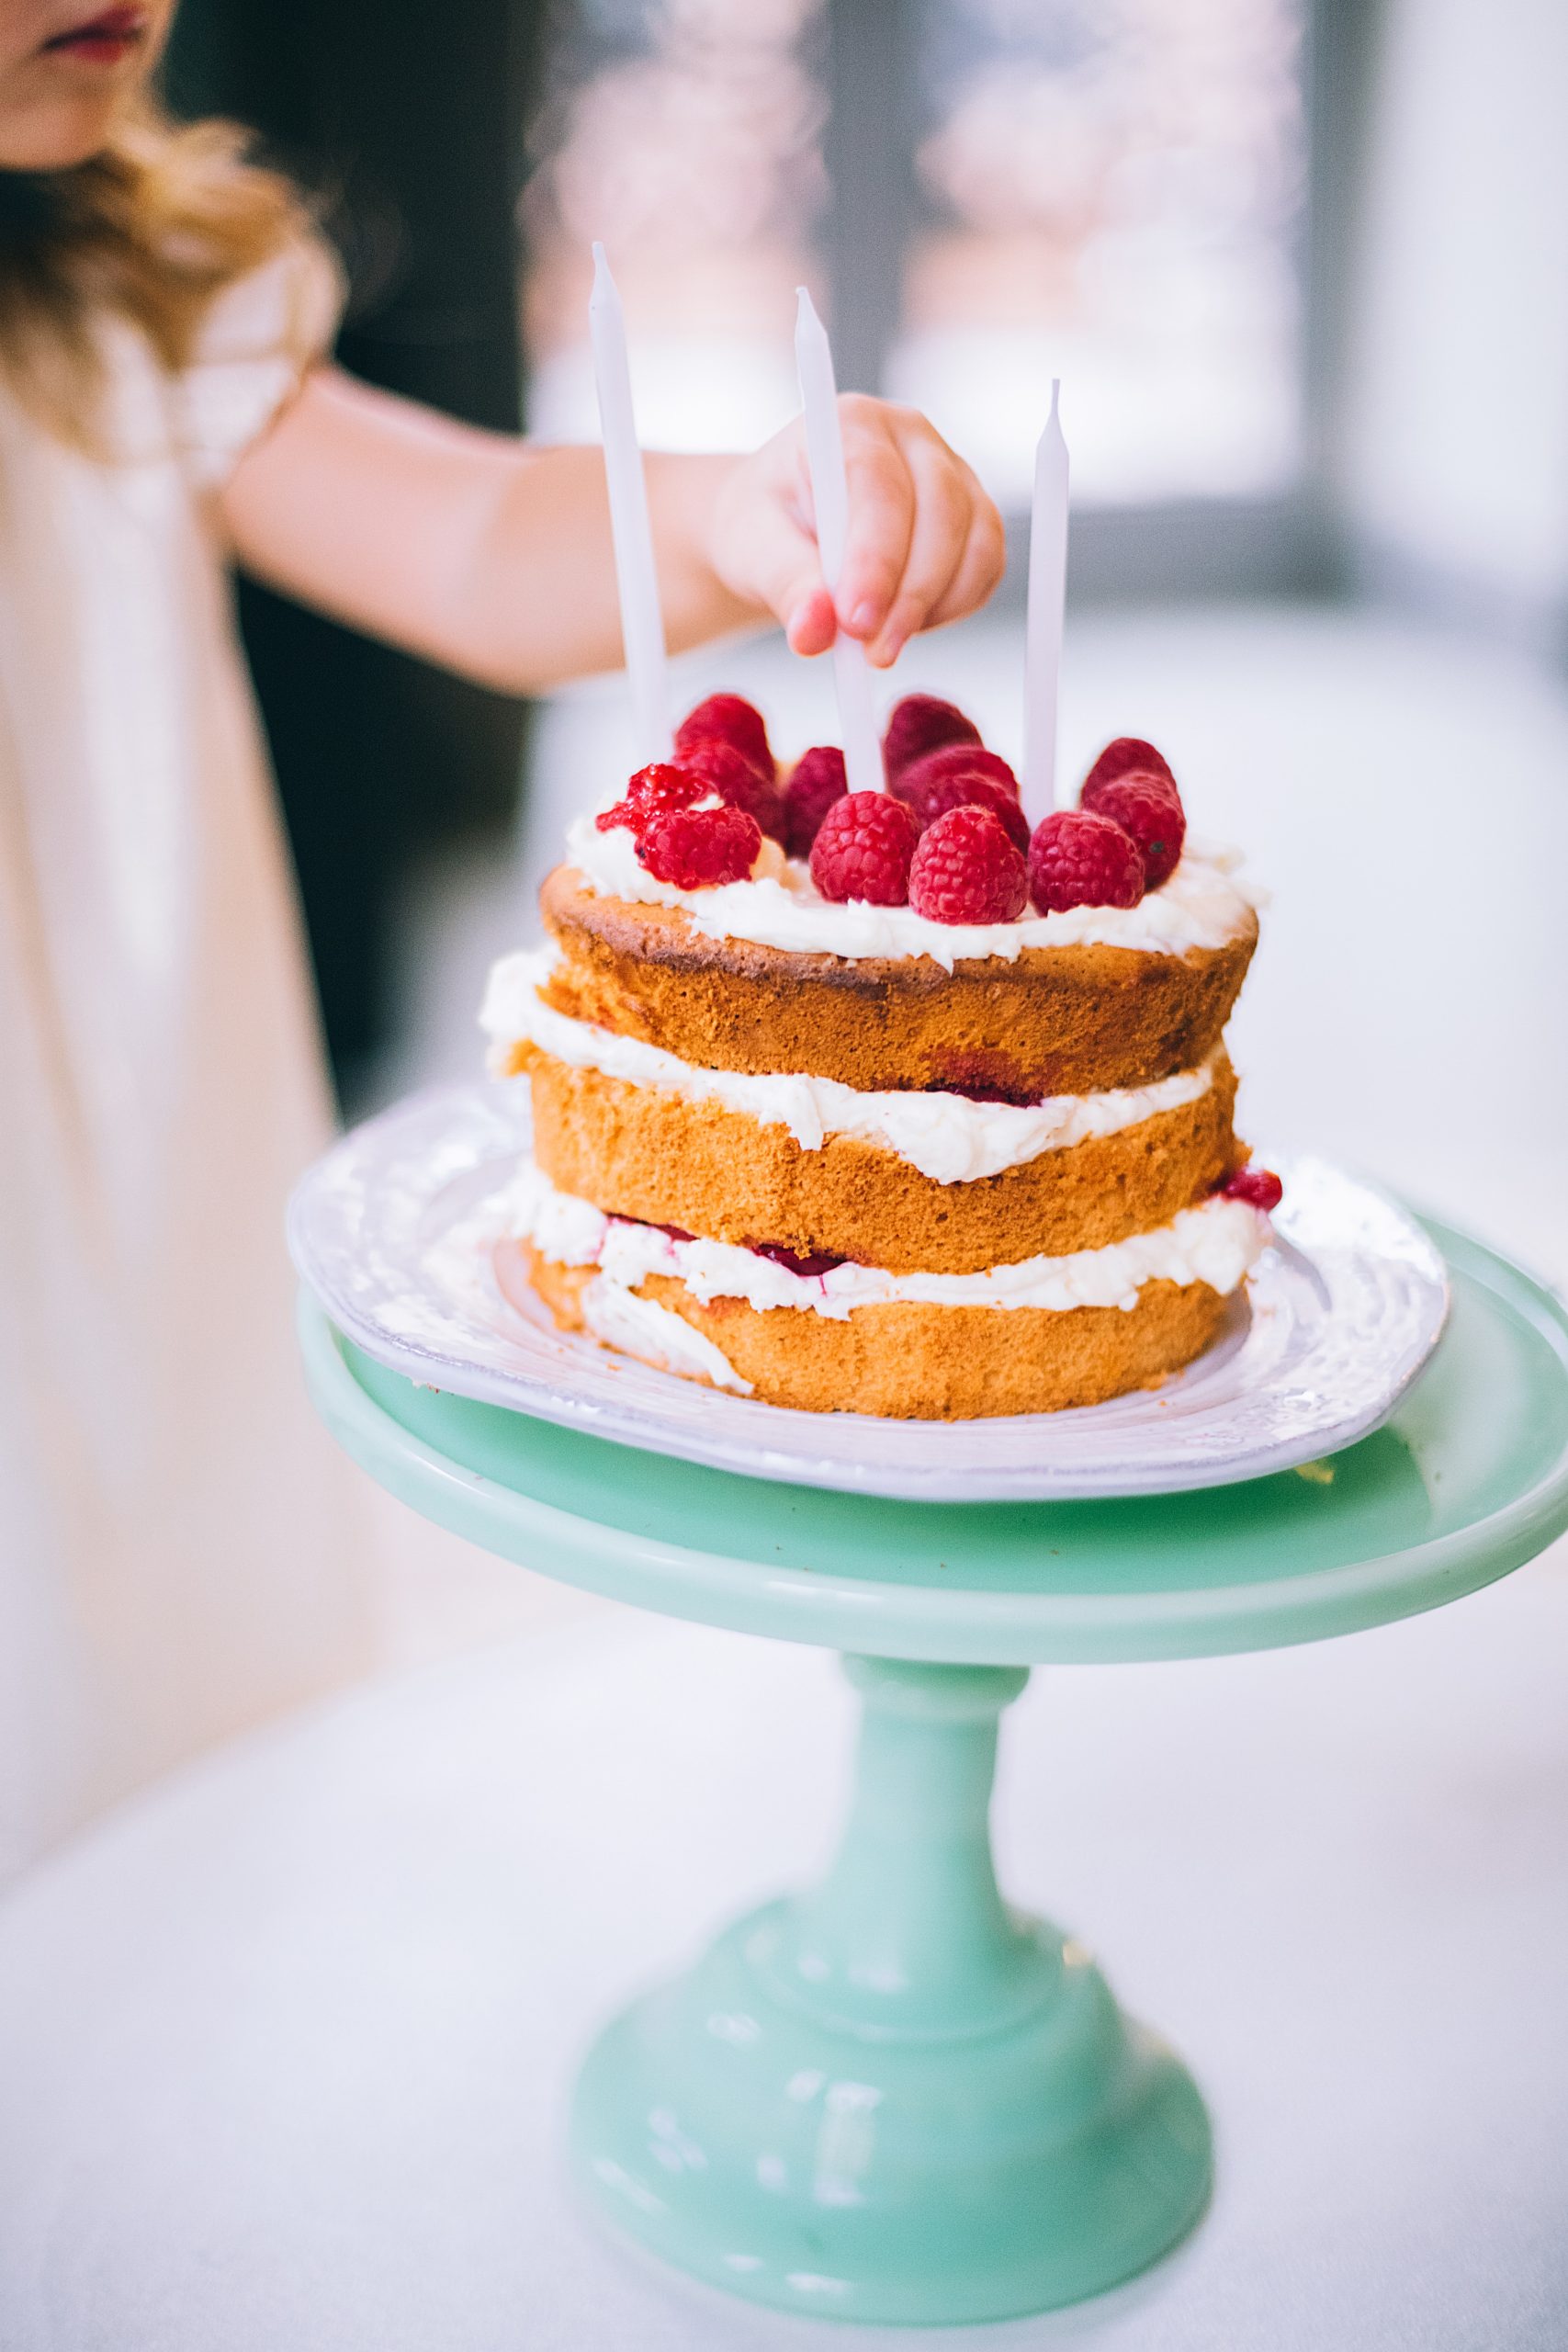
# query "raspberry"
(728, 718)
(819, 780)
(928, 797)
(1078, 859)
(920, 724)
(957, 758)
(1149, 807)
(967, 870)
(821, 1262)
(697, 848)
(651, 792)
(736, 779)
(1259, 1186)
(652, 1225)
(863, 850)
(1126, 751)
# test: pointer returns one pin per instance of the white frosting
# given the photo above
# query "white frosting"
(639, 1327)
(946, 1137)
(1216, 1243)
(1202, 905)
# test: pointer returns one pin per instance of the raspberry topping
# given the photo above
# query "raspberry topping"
(695, 849)
(918, 725)
(956, 759)
(821, 1261)
(863, 850)
(819, 780)
(1126, 753)
(728, 718)
(1149, 807)
(1259, 1186)
(651, 792)
(653, 1224)
(928, 795)
(736, 779)
(1078, 859)
(965, 869)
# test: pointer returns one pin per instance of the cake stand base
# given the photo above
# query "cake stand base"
(892, 2099)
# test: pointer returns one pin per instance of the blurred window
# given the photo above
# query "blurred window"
(686, 134)
(1107, 190)
(1114, 189)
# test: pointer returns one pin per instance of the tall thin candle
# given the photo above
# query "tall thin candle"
(830, 502)
(642, 623)
(1047, 597)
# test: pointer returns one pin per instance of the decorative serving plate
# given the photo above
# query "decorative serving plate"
(394, 1231)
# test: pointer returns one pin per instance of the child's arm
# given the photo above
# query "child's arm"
(493, 556)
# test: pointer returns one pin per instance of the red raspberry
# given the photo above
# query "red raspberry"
(697, 848)
(1259, 1186)
(821, 1262)
(728, 718)
(1078, 859)
(958, 759)
(652, 1225)
(1149, 807)
(819, 780)
(918, 725)
(863, 850)
(651, 792)
(1126, 751)
(737, 781)
(929, 797)
(967, 870)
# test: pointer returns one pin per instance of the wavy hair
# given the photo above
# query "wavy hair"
(152, 228)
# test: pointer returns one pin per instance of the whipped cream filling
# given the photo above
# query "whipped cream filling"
(1217, 1243)
(1204, 905)
(947, 1138)
(640, 1327)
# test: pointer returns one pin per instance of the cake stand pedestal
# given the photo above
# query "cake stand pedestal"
(892, 2099)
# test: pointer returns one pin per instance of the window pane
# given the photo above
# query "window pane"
(1115, 187)
(687, 136)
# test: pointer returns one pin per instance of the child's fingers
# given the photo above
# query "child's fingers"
(810, 622)
(924, 543)
(767, 547)
(979, 572)
(944, 505)
(882, 515)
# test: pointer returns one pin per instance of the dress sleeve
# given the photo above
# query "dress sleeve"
(257, 342)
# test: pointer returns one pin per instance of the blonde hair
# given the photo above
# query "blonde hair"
(151, 227)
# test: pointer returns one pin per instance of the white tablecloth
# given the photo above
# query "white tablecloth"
(284, 2047)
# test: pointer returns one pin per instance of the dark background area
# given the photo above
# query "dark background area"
(406, 124)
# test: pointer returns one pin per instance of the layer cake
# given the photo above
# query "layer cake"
(847, 1155)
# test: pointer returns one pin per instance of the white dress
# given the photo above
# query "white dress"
(179, 1543)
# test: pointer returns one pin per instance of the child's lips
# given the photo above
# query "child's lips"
(103, 40)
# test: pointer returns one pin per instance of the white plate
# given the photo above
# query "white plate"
(393, 1231)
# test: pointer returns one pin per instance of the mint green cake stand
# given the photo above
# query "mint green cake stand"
(893, 2098)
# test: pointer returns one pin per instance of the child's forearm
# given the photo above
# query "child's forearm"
(490, 556)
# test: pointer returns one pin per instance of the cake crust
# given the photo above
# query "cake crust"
(1071, 1020)
(915, 1361)
(654, 1154)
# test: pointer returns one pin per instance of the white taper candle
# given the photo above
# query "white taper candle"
(830, 502)
(1047, 597)
(636, 580)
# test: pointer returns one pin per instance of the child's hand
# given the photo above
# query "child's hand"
(493, 556)
(925, 542)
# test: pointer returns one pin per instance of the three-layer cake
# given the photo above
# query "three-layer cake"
(846, 1155)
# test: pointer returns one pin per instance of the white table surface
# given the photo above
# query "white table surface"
(284, 2046)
